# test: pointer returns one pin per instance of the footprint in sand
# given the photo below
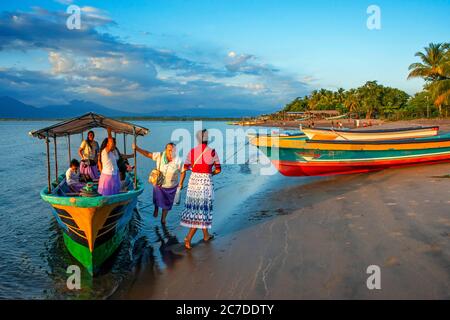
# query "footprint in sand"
(391, 203)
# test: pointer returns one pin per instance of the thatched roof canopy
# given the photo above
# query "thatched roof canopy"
(85, 122)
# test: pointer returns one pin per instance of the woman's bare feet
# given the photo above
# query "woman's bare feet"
(187, 244)
(208, 238)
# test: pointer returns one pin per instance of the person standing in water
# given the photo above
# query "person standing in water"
(197, 213)
(88, 153)
(109, 182)
(170, 167)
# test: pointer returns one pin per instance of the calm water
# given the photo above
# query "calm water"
(34, 259)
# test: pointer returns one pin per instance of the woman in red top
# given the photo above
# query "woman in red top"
(197, 213)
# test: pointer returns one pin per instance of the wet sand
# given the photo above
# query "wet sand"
(316, 240)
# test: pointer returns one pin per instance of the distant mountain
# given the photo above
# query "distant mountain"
(14, 109)
(206, 113)
(11, 108)
(77, 107)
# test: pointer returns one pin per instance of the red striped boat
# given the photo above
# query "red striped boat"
(298, 156)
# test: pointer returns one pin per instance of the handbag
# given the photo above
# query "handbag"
(156, 177)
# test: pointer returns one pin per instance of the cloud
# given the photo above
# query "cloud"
(60, 64)
(246, 64)
(90, 64)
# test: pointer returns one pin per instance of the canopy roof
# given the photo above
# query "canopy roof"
(85, 122)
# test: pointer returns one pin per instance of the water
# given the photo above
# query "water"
(34, 259)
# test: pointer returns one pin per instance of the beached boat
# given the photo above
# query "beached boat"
(93, 226)
(368, 135)
(303, 157)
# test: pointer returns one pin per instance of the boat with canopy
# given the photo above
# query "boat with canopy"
(93, 225)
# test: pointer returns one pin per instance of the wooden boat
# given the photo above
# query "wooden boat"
(93, 226)
(369, 135)
(303, 157)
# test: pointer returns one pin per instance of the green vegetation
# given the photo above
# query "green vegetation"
(375, 100)
(434, 68)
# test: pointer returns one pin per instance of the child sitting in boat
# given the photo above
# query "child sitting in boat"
(73, 176)
(125, 182)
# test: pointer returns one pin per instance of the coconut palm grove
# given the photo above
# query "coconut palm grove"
(375, 100)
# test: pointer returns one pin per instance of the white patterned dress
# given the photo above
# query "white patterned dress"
(198, 209)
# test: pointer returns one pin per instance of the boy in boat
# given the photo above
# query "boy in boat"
(73, 176)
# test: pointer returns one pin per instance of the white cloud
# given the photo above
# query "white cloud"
(60, 64)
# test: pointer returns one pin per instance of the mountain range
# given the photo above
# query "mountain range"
(11, 108)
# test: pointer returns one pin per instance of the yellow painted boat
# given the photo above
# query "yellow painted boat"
(93, 225)
(370, 135)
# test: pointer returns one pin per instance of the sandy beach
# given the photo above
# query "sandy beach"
(315, 240)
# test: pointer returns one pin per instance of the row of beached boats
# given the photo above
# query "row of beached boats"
(329, 151)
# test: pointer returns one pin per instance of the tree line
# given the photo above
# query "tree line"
(373, 100)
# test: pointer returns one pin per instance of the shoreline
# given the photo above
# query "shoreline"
(315, 240)
(443, 123)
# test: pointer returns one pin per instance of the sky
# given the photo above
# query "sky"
(240, 54)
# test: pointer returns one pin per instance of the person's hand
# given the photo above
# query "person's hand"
(133, 146)
(180, 186)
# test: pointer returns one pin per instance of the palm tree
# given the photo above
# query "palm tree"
(430, 69)
(435, 70)
(352, 101)
(441, 89)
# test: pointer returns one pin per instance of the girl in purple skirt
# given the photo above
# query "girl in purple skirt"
(109, 182)
(170, 166)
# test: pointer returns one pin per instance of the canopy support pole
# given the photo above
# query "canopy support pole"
(68, 147)
(135, 158)
(125, 143)
(82, 136)
(49, 186)
(56, 159)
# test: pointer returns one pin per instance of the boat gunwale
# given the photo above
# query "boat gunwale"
(374, 131)
(90, 202)
(444, 138)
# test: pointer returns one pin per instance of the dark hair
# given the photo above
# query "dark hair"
(122, 165)
(200, 136)
(74, 162)
(170, 144)
(104, 144)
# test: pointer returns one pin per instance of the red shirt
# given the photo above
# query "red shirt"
(202, 163)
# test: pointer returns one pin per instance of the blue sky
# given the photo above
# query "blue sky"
(148, 55)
